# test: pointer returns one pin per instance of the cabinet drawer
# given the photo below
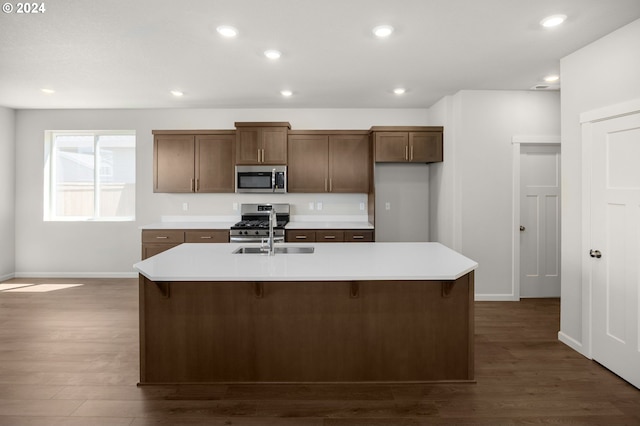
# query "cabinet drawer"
(329, 236)
(358, 236)
(301, 236)
(210, 236)
(157, 236)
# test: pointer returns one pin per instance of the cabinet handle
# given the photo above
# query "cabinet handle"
(162, 238)
(258, 156)
(301, 237)
(329, 237)
(411, 154)
(406, 152)
(262, 150)
(197, 185)
(325, 185)
(193, 188)
(330, 185)
(205, 237)
(358, 237)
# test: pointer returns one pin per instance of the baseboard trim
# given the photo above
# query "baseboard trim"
(496, 298)
(572, 343)
(6, 277)
(76, 275)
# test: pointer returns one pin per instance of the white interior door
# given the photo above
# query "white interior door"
(615, 241)
(540, 220)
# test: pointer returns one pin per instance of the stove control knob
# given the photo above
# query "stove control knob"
(257, 232)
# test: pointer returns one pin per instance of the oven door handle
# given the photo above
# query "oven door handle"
(253, 239)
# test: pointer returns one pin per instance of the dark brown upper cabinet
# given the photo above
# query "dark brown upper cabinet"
(261, 142)
(400, 144)
(193, 161)
(322, 161)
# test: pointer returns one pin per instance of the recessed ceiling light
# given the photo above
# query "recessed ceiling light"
(177, 93)
(48, 91)
(286, 93)
(382, 31)
(551, 78)
(399, 90)
(553, 21)
(227, 31)
(272, 54)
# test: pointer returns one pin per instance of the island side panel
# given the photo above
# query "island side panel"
(307, 331)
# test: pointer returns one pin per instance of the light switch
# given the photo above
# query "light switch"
(185, 207)
(311, 205)
(361, 206)
(319, 206)
(387, 206)
(235, 206)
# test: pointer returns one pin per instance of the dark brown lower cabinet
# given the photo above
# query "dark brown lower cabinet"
(329, 236)
(156, 241)
(311, 331)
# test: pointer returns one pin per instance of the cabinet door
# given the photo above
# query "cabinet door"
(274, 145)
(364, 236)
(301, 236)
(173, 163)
(215, 163)
(247, 146)
(207, 236)
(307, 169)
(329, 236)
(391, 146)
(349, 163)
(149, 250)
(425, 147)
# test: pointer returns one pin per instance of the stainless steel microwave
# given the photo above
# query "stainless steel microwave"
(261, 179)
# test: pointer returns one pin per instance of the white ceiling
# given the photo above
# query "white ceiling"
(131, 53)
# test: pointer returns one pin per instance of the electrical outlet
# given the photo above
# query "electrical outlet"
(319, 206)
(361, 206)
(311, 205)
(387, 206)
(185, 207)
(235, 206)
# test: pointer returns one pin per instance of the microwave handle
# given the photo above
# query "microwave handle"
(273, 180)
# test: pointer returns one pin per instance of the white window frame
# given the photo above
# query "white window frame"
(50, 170)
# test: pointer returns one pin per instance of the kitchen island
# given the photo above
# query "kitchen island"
(368, 312)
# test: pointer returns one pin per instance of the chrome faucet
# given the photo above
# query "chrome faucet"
(272, 218)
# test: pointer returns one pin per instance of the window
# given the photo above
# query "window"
(90, 175)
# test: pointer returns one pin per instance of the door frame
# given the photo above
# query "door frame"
(587, 120)
(517, 141)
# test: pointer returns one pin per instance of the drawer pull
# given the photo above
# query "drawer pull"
(161, 237)
(358, 237)
(205, 237)
(329, 237)
(301, 237)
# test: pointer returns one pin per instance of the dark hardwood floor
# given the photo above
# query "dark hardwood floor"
(70, 357)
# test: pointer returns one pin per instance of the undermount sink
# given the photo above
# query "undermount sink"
(278, 250)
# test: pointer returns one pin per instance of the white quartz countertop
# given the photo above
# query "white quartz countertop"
(226, 222)
(329, 262)
(189, 225)
(328, 225)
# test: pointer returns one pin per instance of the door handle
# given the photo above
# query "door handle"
(522, 228)
(595, 253)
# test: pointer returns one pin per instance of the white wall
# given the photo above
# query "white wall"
(7, 193)
(110, 248)
(603, 73)
(405, 187)
(473, 205)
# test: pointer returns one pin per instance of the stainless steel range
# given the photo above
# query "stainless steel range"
(254, 226)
